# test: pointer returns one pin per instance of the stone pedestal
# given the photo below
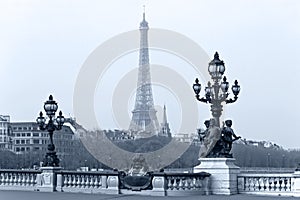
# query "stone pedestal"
(159, 186)
(113, 185)
(47, 180)
(223, 179)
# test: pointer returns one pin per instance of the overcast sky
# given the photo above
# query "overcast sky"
(43, 45)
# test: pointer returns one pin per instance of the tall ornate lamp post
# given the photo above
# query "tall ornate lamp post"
(214, 155)
(216, 93)
(54, 124)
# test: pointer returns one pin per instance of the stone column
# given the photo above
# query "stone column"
(223, 179)
(59, 182)
(113, 184)
(47, 180)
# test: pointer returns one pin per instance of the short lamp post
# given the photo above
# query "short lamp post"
(54, 123)
(216, 93)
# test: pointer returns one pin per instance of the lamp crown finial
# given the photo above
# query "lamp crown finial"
(50, 97)
(216, 56)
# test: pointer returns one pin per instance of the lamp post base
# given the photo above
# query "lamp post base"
(48, 179)
(223, 174)
(51, 159)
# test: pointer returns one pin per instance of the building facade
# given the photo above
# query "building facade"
(5, 135)
(27, 137)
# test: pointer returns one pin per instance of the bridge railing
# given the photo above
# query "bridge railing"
(266, 184)
(178, 184)
(50, 179)
(18, 179)
(87, 182)
(162, 184)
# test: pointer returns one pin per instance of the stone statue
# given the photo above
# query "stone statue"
(228, 137)
(139, 166)
(211, 138)
(217, 142)
(201, 133)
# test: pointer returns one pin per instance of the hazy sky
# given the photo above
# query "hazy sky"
(43, 45)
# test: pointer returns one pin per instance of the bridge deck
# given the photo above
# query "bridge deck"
(21, 195)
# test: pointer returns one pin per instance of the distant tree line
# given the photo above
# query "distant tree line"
(80, 157)
(259, 156)
(246, 155)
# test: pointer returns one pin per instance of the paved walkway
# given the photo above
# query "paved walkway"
(21, 195)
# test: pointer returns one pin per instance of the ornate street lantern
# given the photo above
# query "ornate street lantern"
(216, 67)
(216, 93)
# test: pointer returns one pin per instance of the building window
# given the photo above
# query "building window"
(36, 141)
(23, 135)
(28, 134)
(22, 141)
(18, 135)
(22, 148)
(17, 149)
(36, 148)
(35, 134)
(27, 141)
(27, 148)
(17, 141)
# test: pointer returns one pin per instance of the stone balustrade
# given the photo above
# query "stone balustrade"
(100, 182)
(179, 184)
(162, 184)
(175, 184)
(266, 184)
(18, 179)
(189, 183)
(87, 182)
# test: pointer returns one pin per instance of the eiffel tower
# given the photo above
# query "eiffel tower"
(144, 117)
